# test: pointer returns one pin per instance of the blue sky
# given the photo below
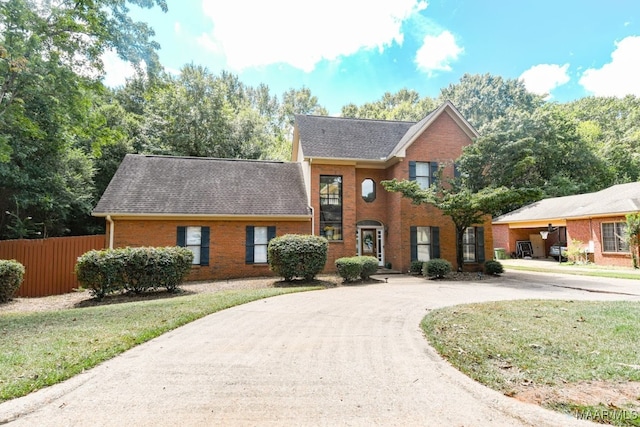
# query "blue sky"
(356, 50)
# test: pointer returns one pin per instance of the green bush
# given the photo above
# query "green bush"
(493, 268)
(11, 275)
(297, 255)
(416, 267)
(349, 268)
(133, 269)
(369, 266)
(436, 268)
(352, 268)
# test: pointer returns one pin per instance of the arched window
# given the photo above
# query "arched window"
(368, 190)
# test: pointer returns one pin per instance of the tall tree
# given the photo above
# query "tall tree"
(484, 98)
(404, 105)
(50, 59)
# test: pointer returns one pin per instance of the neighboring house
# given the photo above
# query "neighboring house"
(227, 210)
(597, 220)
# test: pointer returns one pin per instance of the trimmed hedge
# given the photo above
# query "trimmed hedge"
(297, 255)
(416, 267)
(11, 276)
(493, 268)
(436, 268)
(133, 269)
(352, 268)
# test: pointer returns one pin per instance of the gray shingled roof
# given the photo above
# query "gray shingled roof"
(204, 186)
(619, 199)
(345, 138)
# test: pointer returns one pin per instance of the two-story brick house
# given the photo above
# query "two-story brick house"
(226, 211)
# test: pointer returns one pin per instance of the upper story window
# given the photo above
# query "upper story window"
(423, 172)
(613, 237)
(331, 206)
(368, 190)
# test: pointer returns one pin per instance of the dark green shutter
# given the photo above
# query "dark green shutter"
(249, 252)
(412, 171)
(433, 176)
(182, 236)
(435, 242)
(204, 245)
(414, 243)
(456, 171)
(480, 244)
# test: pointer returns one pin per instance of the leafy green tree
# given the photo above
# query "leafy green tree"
(456, 200)
(482, 99)
(404, 105)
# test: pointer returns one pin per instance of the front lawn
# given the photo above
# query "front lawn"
(43, 348)
(565, 355)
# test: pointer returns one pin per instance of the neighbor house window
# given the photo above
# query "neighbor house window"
(425, 243)
(423, 172)
(257, 241)
(368, 190)
(331, 207)
(196, 239)
(613, 237)
(473, 244)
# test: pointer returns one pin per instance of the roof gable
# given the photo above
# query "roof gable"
(365, 139)
(165, 185)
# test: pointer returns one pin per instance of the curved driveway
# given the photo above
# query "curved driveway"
(344, 356)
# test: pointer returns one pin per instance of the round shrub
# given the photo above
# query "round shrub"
(437, 268)
(11, 275)
(493, 268)
(297, 255)
(416, 267)
(369, 266)
(349, 268)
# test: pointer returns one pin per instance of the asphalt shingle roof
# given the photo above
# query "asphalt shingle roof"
(346, 138)
(204, 186)
(619, 199)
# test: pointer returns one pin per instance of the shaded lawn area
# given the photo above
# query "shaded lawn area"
(557, 349)
(43, 348)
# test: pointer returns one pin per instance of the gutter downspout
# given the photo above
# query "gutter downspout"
(111, 230)
(313, 221)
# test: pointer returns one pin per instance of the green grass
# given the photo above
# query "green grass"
(584, 270)
(44, 348)
(510, 343)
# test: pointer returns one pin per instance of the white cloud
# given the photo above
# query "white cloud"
(257, 32)
(116, 71)
(620, 76)
(177, 28)
(543, 78)
(437, 53)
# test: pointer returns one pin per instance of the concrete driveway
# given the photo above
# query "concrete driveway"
(345, 356)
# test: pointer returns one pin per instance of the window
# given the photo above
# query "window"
(331, 207)
(425, 243)
(613, 237)
(423, 172)
(473, 244)
(368, 190)
(257, 241)
(196, 239)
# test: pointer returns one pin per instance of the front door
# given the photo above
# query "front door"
(370, 243)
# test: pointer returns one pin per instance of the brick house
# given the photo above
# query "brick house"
(596, 220)
(227, 210)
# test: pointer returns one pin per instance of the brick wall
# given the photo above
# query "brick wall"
(586, 230)
(227, 243)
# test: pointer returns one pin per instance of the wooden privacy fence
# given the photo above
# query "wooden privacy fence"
(49, 263)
